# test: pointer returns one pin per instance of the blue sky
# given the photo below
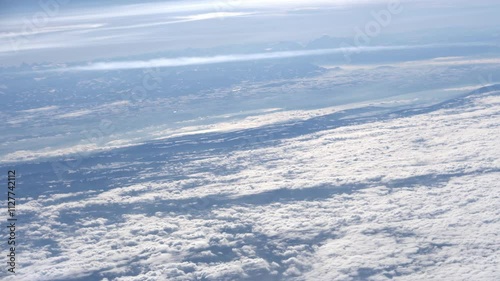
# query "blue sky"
(67, 31)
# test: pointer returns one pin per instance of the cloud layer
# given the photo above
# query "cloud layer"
(411, 197)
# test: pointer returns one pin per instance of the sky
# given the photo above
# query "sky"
(69, 31)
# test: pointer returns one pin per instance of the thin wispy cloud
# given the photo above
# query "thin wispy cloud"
(189, 61)
(163, 25)
(50, 29)
(70, 42)
(216, 15)
(60, 34)
(180, 19)
(177, 7)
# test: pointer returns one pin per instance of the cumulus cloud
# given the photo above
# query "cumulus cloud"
(411, 197)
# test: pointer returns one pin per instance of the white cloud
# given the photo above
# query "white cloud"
(412, 197)
(187, 61)
(41, 109)
(176, 7)
(50, 29)
(215, 15)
